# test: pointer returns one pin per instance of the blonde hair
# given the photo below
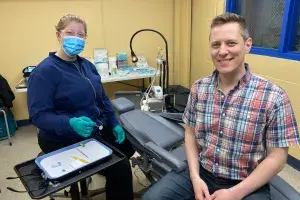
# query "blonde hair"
(229, 18)
(67, 19)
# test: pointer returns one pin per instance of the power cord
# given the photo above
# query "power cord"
(144, 101)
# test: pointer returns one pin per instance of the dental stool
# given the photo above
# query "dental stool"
(85, 193)
(160, 142)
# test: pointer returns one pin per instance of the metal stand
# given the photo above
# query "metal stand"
(75, 192)
(7, 128)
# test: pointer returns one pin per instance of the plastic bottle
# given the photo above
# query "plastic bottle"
(113, 65)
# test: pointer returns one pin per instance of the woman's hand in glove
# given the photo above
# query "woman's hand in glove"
(82, 125)
(119, 134)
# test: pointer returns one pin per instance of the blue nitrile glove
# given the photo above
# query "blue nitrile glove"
(82, 125)
(119, 134)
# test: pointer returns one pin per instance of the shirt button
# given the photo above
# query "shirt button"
(217, 164)
(222, 96)
(223, 114)
(221, 132)
(218, 149)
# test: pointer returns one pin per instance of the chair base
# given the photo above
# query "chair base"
(7, 127)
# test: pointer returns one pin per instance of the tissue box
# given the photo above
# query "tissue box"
(122, 60)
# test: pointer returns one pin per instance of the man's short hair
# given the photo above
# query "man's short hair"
(230, 18)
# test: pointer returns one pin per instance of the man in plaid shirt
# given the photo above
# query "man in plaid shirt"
(238, 126)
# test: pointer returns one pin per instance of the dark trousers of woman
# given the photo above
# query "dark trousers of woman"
(118, 176)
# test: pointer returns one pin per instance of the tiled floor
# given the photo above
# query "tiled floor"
(25, 147)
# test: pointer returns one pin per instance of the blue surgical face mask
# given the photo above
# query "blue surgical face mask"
(73, 45)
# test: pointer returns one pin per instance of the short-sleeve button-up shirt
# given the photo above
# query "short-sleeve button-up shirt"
(234, 131)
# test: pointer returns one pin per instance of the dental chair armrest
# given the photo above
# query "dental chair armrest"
(282, 187)
(165, 157)
(122, 105)
(175, 117)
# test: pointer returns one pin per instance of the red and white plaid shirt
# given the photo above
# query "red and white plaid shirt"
(234, 131)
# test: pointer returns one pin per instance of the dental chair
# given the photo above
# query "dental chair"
(159, 139)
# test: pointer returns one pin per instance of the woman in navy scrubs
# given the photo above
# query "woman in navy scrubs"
(67, 102)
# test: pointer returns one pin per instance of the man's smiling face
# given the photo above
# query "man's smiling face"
(228, 48)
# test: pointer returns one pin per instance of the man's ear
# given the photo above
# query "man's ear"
(248, 45)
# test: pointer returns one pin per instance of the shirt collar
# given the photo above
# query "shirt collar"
(243, 81)
(52, 54)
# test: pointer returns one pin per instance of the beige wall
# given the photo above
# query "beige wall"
(280, 71)
(182, 42)
(202, 14)
(28, 33)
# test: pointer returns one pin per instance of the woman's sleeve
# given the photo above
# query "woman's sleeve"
(40, 100)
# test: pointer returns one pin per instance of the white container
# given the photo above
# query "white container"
(102, 69)
(100, 55)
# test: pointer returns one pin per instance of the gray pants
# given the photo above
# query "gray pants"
(175, 186)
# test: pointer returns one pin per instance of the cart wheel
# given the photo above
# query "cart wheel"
(10, 144)
(52, 199)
